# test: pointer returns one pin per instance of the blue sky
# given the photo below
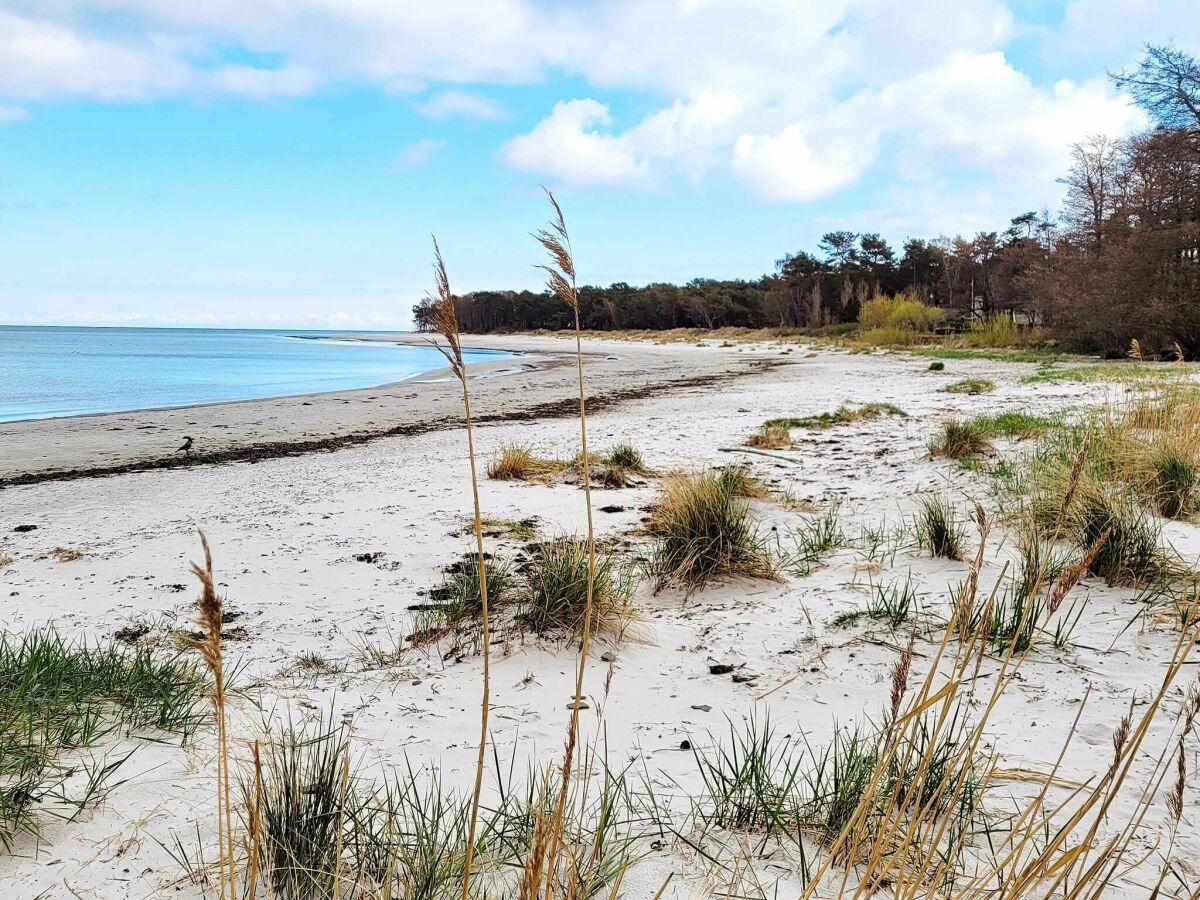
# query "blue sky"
(283, 163)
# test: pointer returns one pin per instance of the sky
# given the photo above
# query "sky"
(283, 163)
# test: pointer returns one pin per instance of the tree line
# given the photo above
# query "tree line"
(1120, 261)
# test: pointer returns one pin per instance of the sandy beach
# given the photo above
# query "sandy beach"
(323, 555)
(535, 384)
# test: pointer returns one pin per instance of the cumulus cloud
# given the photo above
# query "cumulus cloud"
(793, 164)
(464, 104)
(568, 145)
(797, 98)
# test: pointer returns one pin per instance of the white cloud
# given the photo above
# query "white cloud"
(12, 114)
(467, 104)
(568, 146)
(247, 81)
(978, 110)
(798, 98)
(794, 165)
(417, 154)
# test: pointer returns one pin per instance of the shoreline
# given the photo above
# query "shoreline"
(481, 367)
(538, 386)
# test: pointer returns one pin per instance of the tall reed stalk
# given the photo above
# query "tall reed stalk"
(560, 279)
(211, 613)
(445, 322)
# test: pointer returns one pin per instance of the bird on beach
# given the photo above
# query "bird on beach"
(187, 446)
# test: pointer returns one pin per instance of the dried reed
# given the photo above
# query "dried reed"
(445, 322)
(560, 278)
(211, 607)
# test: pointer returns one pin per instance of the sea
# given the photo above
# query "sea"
(51, 371)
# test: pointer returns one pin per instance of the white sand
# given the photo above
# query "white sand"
(285, 533)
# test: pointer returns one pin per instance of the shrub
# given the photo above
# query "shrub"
(901, 311)
(704, 530)
(937, 366)
(1002, 331)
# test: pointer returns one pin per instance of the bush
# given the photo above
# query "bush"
(1002, 331)
(902, 311)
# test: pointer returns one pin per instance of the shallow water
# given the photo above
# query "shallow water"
(67, 371)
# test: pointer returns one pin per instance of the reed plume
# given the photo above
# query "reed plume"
(211, 607)
(445, 322)
(560, 279)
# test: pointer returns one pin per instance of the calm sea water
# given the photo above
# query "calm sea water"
(64, 371)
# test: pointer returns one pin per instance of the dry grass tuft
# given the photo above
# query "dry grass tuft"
(970, 386)
(705, 531)
(770, 437)
(843, 415)
(513, 462)
(5, 560)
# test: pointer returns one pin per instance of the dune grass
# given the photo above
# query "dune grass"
(514, 462)
(841, 416)
(970, 386)
(58, 697)
(966, 437)
(1116, 370)
(939, 528)
(704, 530)
(328, 827)
(556, 590)
(770, 437)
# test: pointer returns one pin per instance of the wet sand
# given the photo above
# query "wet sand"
(539, 384)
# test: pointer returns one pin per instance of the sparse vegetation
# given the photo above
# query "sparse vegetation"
(514, 462)
(58, 697)
(939, 529)
(557, 594)
(841, 416)
(525, 529)
(704, 531)
(971, 386)
(893, 603)
(770, 437)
